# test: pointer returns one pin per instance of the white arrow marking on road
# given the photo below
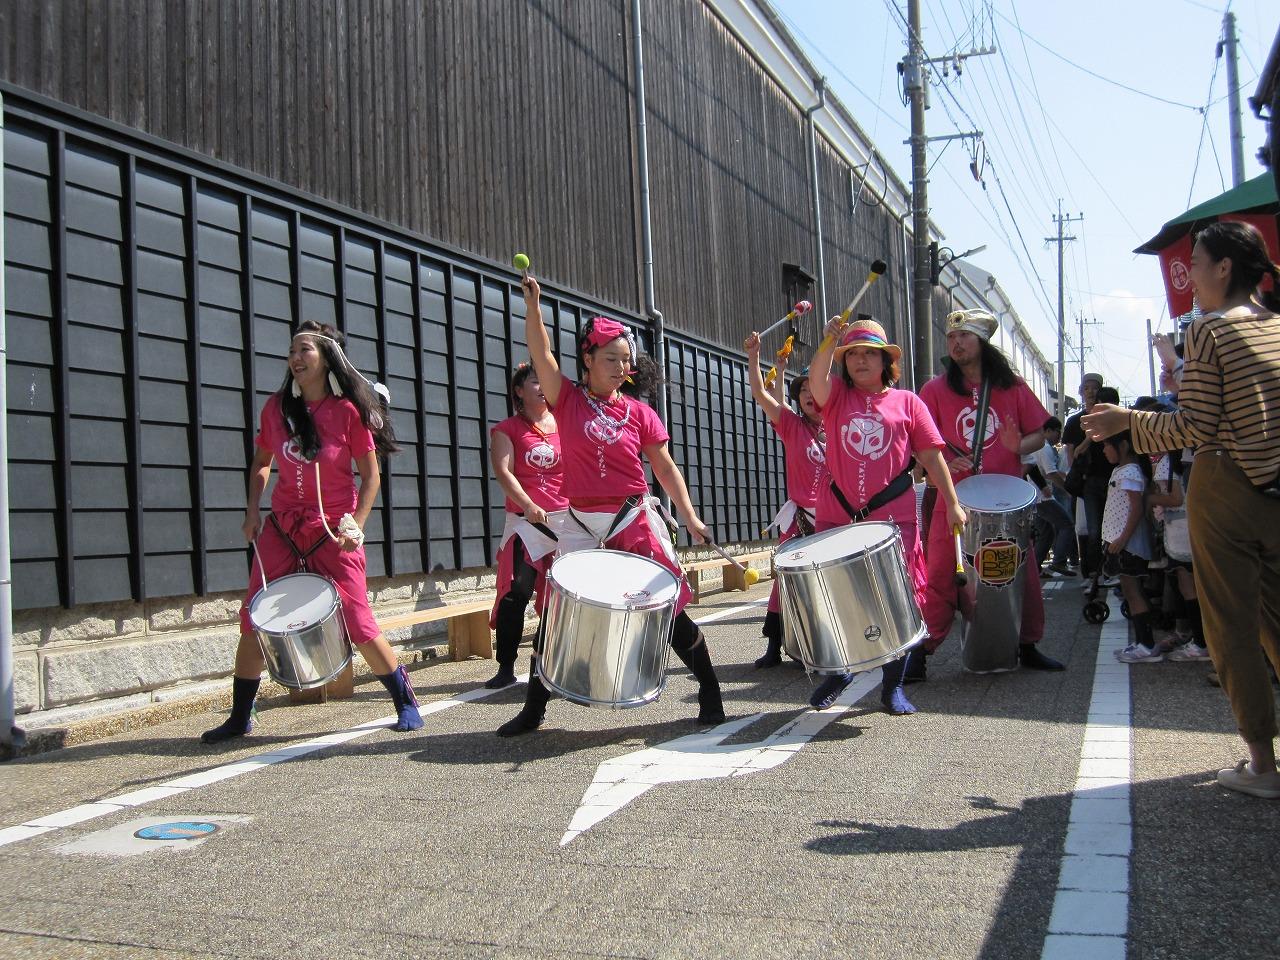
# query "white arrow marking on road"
(703, 756)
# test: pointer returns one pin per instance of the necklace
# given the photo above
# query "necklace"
(602, 414)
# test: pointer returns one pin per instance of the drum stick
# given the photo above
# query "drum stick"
(878, 269)
(962, 579)
(785, 352)
(799, 310)
(750, 575)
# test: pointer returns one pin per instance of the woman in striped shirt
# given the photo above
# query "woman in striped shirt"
(1230, 414)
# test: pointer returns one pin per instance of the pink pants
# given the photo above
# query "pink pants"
(346, 570)
(506, 574)
(943, 596)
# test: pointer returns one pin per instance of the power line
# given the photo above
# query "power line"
(1093, 73)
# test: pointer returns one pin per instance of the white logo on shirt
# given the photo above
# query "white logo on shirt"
(863, 436)
(291, 451)
(602, 431)
(817, 454)
(541, 456)
(967, 421)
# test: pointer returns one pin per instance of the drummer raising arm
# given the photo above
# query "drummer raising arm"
(325, 412)
(804, 445)
(603, 434)
(875, 431)
(525, 453)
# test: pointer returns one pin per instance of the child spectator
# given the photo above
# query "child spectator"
(1126, 539)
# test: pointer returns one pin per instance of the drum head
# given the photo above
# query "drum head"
(615, 579)
(832, 545)
(995, 493)
(292, 603)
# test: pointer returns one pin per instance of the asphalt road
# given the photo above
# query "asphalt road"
(1016, 816)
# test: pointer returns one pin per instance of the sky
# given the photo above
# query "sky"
(1099, 104)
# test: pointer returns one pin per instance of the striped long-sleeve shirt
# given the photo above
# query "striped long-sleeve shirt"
(1230, 394)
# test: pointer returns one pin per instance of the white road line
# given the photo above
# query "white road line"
(203, 778)
(703, 756)
(1091, 906)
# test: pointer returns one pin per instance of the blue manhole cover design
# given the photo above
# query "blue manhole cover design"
(177, 830)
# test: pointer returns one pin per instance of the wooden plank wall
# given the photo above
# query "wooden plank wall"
(489, 125)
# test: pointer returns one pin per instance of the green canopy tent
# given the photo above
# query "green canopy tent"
(1253, 196)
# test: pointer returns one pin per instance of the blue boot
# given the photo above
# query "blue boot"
(830, 688)
(401, 691)
(892, 697)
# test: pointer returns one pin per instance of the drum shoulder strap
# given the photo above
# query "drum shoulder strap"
(896, 488)
(980, 425)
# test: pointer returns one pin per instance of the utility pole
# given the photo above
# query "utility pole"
(1061, 239)
(914, 69)
(1095, 322)
(1151, 359)
(1228, 43)
(916, 85)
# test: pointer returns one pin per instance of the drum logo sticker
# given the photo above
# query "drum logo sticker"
(636, 596)
(871, 634)
(295, 625)
(996, 562)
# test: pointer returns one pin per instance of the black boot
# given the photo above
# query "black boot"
(401, 690)
(772, 631)
(508, 629)
(892, 697)
(535, 706)
(243, 693)
(698, 660)
(1029, 656)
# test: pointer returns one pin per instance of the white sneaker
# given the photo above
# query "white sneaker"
(1189, 651)
(1109, 582)
(1137, 653)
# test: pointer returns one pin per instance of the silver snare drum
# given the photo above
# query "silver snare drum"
(298, 620)
(847, 597)
(608, 626)
(996, 542)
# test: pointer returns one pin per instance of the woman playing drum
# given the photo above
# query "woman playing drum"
(804, 443)
(325, 413)
(603, 433)
(875, 431)
(525, 453)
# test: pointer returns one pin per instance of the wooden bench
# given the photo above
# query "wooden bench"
(468, 631)
(733, 578)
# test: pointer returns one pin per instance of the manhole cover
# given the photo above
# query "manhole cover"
(178, 830)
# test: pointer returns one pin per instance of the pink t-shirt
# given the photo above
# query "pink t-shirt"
(343, 438)
(535, 462)
(805, 455)
(602, 442)
(871, 438)
(956, 417)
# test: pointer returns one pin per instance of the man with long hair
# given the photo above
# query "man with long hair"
(1013, 426)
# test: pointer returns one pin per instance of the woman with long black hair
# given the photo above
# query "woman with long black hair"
(325, 417)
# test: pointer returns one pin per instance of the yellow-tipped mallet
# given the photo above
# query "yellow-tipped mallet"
(751, 576)
(521, 262)
(877, 271)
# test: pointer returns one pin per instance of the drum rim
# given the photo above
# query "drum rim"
(337, 603)
(819, 565)
(655, 604)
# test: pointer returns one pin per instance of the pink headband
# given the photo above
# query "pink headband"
(604, 331)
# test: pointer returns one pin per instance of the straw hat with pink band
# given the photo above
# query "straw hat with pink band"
(866, 332)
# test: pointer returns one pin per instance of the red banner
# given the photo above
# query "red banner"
(1175, 267)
